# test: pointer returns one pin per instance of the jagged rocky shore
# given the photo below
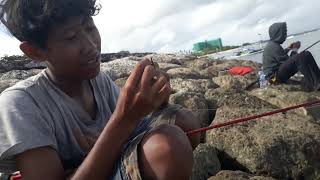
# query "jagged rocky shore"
(282, 146)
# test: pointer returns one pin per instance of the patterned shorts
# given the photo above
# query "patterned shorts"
(127, 167)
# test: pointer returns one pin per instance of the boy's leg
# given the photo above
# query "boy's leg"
(305, 63)
(167, 147)
(288, 69)
(165, 153)
(310, 70)
(181, 117)
(187, 121)
(159, 150)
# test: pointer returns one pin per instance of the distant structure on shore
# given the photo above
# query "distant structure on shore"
(214, 44)
(210, 47)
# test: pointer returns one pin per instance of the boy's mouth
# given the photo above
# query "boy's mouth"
(93, 61)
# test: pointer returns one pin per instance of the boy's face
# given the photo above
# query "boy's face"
(73, 49)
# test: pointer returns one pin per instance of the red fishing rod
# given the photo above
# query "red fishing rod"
(250, 118)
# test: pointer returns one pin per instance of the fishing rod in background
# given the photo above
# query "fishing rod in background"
(311, 46)
(254, 82)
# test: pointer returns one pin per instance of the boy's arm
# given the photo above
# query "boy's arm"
(140, 96)
(287, 50)
(44, 163)
(40, 163)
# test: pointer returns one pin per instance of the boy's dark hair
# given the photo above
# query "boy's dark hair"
(31, 20)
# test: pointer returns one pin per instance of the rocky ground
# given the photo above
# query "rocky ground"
(281, 146)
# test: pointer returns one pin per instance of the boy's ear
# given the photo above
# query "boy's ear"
(32, 52)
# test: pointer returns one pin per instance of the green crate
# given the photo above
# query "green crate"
(211, 44)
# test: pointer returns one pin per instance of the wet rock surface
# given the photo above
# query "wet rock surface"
(237, 175)
(206, 162)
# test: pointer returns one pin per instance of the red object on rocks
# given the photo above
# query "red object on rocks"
(16, 177)
(240, 70)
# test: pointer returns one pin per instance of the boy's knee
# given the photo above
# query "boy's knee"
(164, 149)
(167, 140)
(187, 121)
(307, 54)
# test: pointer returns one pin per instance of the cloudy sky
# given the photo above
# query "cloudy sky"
(173, 25)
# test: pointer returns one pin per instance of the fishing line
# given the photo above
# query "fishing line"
(311, 46)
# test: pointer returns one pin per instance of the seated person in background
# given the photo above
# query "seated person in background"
(279, 67)
(73, 118)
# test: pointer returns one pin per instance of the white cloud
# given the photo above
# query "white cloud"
(173, 25)
(8, 45)
(165, 36)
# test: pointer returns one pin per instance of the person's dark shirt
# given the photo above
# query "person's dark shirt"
(274, 54)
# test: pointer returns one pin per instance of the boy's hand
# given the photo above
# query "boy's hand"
(166, 75)
(295, 45)
(145, 91)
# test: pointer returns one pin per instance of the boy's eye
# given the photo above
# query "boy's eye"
(70, 38)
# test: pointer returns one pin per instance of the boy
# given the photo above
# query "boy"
(71, 120)
(279, 67)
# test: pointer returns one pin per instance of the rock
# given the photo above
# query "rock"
(19, 64)
(206, 162)
(119, 68)
(283, 98)
(227, 64)
(19, 74)
(280, 146)
(200, 64)
(219, 68)
(237, 175)
(106, 57)
(252, 64)
(194, 102)
(220, 97)
(192, 85)
(166, 66)
(35, 65)
(135, 58)
(209, 72)
(231, 82)
(287, 87)
(171, 58)
(185, 73)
